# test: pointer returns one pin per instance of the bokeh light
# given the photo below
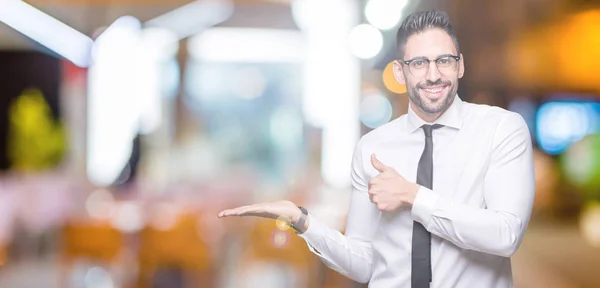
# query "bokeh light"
(286, 128)
(100, 204)
(389, 80)
(165, 216)
(128, 217)
(98, 277)
(282, 223)
(590, 224)
(581, 163)
(559, 124)
(578, 52)
(249, 83)
(375, 110)
(384, 14)
(365, 41)
(280, 239)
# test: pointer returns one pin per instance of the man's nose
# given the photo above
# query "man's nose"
(433, 74)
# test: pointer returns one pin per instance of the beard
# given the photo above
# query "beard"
(438, 106)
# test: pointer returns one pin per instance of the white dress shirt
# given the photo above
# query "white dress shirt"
(477, 211)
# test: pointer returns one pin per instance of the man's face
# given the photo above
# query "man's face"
(431, 87)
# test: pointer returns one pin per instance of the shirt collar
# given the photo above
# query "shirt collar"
(451, 118)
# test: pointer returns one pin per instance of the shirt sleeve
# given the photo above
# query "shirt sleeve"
(508, 189)
(350, 254)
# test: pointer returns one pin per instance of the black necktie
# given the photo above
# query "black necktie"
(421, 239)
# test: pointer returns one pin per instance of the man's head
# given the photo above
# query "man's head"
(430, 62)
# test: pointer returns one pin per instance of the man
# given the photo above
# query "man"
(442, 195)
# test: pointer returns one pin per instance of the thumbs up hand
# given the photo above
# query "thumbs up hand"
(382, 168)
(389, 190)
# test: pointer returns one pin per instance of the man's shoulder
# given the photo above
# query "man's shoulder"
(384, 131)
(491, 116)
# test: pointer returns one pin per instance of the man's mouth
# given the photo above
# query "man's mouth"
(435, 92)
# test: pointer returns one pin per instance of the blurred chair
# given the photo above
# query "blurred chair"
(269, 244)
(90, 240)
(179, 247)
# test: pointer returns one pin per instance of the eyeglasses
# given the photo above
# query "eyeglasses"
(446, 64)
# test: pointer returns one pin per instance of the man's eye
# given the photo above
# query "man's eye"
(419, 63)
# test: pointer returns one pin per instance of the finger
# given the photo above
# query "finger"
(383, 202)
(240, 211)
(235, 212)
(373, 182)
(225, 213)
(373, 190)
(377, 164)
(228, 212)
(264, 215)
(251, 210)
(376, 199)
(373, 198)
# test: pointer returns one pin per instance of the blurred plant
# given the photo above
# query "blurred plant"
(35, 140)
(581, 164)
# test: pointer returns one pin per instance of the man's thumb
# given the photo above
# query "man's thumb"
(377, 164)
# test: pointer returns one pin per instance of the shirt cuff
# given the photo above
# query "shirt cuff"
(315, 229)
(424, 205)
(313, 235)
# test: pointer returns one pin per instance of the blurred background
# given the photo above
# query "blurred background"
(125, 126)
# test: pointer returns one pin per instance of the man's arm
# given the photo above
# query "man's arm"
(350, 254)
(508, 189)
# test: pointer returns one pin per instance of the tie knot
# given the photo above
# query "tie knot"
(429, 128)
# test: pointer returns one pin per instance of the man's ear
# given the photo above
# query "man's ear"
(461, 67)
(398, 72)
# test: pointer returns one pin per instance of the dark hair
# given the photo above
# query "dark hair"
(421, 21)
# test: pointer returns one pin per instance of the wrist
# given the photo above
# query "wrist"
(305, 226)
(299, 221)
(296, 216)
(412, 193)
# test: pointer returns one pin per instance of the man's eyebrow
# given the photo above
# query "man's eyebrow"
(423, 57)
(417, 58)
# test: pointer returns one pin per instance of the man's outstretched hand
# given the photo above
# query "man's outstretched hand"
(283, 210)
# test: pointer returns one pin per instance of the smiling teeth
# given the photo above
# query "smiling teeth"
(436, 90)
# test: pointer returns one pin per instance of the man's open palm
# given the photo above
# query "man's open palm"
(272, 210)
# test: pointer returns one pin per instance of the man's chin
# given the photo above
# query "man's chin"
(432, 110)
(434, 106)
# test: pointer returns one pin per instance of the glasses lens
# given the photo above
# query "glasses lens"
(446, 64)
(419, 67)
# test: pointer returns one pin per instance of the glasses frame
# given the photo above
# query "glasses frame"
(407, 62)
